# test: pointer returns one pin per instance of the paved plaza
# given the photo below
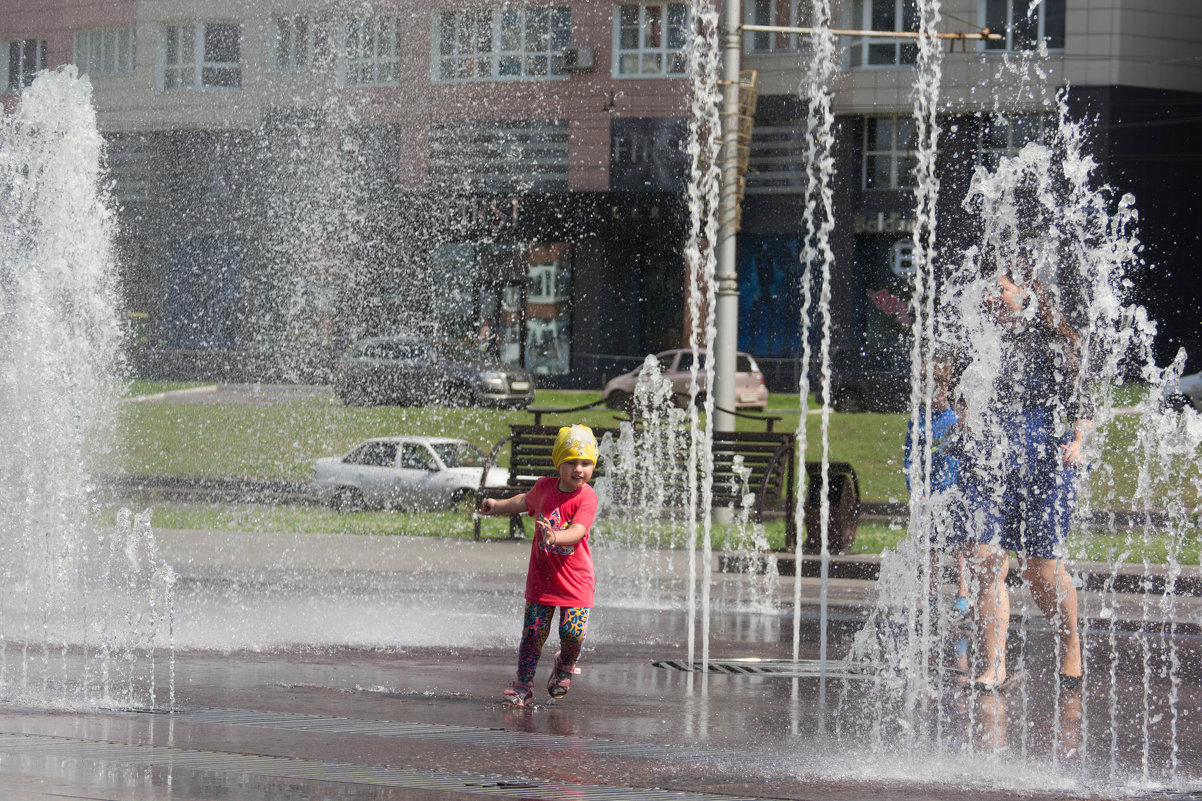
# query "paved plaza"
(351, 667)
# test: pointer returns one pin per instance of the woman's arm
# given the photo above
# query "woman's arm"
(1072, 450)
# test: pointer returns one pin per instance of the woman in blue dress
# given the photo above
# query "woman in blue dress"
(1020, 488)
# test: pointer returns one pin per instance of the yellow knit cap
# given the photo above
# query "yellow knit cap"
(575, 442)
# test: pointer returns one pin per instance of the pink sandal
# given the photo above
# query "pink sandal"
(560, 679)
(519, 693)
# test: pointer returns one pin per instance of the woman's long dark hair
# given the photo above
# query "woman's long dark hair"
(1049, 317)
(1053, 329)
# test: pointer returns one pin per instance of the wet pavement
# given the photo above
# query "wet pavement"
(350, 667)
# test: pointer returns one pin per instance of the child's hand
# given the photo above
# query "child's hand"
(543, 527)
(486, 507)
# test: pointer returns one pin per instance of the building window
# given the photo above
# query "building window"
(883, 15)
(549, 283)
(889, 152)
(370, 52)
(779, 13)
(1025, 24)
(776, 163)
(105, 52)
(483, 44)
(301, 43)
(496, 156)
(650, 39)
(25, 58)
(1004, 136)
(202, 55)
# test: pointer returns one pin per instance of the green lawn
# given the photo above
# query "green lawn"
(280, 441)
(872, 538)
(159, 438)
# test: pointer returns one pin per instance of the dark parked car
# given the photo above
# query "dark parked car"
(870, 380)
(411, 371)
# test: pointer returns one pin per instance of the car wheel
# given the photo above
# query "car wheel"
(463, 501)
(848, 401)
(618, 400)
(348, 499)
(460, 395)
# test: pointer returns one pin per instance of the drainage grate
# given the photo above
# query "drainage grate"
(65, 748)
(781, 668)
(951, 677)
(467, 735)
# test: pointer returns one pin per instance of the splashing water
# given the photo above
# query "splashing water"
(643, 488)
(83, 605)
(1043, 214)
(645, 492)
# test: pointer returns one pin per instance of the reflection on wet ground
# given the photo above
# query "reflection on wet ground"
(406, 704)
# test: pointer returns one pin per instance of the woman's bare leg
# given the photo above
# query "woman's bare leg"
(989, 566)
(1054, 594)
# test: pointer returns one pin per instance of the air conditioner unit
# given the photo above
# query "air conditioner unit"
(577, 59)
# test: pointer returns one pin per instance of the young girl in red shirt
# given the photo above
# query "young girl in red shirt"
(560, 574)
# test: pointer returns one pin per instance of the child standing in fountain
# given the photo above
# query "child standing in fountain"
(946, 504)
(560, 574)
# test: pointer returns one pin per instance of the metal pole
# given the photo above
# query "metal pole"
(983, 34)
(726, 311)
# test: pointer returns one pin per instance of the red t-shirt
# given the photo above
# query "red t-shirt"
(561, 575)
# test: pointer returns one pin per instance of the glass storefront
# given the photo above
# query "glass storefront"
(511, 301)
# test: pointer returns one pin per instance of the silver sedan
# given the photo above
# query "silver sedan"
(405, 472)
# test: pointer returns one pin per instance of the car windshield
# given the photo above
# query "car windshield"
(459, 454)
(686, 362)
(373, 454)
(743, 364)
(394, 349)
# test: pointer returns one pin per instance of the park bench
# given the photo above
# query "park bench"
(767, 455)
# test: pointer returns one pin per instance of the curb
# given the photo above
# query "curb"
(206, 488)
(1094, 576)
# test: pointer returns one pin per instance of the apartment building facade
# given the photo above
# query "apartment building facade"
(291, 176)
(1130, 69)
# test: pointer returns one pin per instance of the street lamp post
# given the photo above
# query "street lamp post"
(726, 308)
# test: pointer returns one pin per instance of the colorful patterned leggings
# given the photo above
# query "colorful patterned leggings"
(573, 620)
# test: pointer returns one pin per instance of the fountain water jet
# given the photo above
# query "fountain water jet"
(84, 605)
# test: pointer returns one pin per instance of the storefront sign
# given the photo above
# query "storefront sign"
(891, 305)
(882, 223)
(492, 213)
